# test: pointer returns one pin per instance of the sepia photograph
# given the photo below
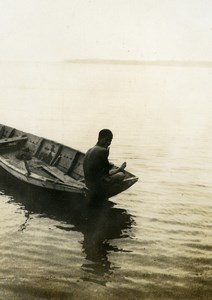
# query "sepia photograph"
(106, 149)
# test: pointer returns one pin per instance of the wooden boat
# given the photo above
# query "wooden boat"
(51, 165)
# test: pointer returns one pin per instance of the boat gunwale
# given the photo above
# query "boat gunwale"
(44, 180)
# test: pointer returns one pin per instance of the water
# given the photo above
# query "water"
(151, 242)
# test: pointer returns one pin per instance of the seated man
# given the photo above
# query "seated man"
(97, 169)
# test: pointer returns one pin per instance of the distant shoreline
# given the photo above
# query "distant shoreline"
(160, 63)
(166, 63)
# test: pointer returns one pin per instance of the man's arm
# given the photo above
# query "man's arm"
(108, 166)
(104, 160)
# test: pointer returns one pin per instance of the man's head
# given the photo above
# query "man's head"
(105, 138)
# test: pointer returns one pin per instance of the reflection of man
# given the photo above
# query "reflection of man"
(97, 169)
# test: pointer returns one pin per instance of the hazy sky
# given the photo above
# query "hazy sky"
(52, 30)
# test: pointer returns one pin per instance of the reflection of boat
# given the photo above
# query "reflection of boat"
(47, 164)
(99, 224)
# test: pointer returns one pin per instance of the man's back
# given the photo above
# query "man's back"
(96, 164)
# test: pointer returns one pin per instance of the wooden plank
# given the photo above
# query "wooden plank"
(60, 175)
(12, 140)
(52, 172)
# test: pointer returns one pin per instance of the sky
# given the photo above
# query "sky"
(173, 37)
(141, 30)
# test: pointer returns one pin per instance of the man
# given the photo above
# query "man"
(97, 169)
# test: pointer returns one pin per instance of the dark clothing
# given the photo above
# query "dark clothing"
(96, 166)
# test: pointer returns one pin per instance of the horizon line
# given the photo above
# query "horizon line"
(182, 63)
(100, 61)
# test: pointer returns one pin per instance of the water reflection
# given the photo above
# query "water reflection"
(99, 224)
(103, 225)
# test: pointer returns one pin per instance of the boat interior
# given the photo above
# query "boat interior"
(50, 159)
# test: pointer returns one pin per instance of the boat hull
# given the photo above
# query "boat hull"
(51, 166)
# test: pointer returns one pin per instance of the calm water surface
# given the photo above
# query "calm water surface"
(153, 241)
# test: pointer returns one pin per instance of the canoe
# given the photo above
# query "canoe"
(49, 165)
